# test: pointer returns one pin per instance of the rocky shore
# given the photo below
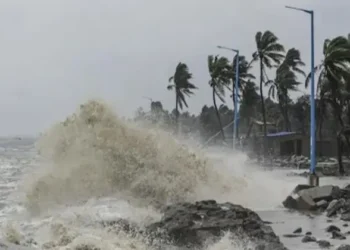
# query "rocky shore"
(187, 226)
(195, 225)
(199, 224)
(331, 201)
(192, 225)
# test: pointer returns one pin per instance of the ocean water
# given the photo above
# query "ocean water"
(55, 190)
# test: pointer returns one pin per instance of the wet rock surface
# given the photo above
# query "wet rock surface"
(193, 224)
(343, 247)
(323, 244)
(332, 200)
(308, 238)
(335, 204)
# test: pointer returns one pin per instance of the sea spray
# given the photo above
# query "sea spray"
(94, 167)
(93, 153)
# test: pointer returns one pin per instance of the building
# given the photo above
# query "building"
(279, 143)
(293, 143)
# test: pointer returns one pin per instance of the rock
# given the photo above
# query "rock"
(296, 201)
(345, 192)
(332, 228)
(292, 235)
(347, 205)
(321, 193)
(338, 235)
(345, 225)
(345, 217)
(122, 225)
(305, 197)
(299, 203)
(337, 193)
(331, 204)
(308, 233)
(323, 244)
(344, 247)
(338, 205)
(308, 238)
(192, 224)
(298, 230)
(301, 187)
(323, 204)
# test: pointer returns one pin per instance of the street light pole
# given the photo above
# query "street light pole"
(235, 95)
(313, 178)
(235, 127)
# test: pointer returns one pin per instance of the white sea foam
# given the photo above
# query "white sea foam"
(95, 167)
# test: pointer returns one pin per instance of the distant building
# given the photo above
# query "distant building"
(280, 143)
(293, 143)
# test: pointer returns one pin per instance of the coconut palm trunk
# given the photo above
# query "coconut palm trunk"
(263, 107)
(177, 110)
(268, 53)
(218, 115)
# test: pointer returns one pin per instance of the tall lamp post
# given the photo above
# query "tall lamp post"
(235, 96)
(313, 179)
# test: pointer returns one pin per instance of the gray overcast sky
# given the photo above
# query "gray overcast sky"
(56, 54)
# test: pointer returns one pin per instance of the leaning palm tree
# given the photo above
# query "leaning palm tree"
(333, 81)
(269, 53)
(334, 72)
(182, 86)
(286, 81)
(219, 70)
(301, 112)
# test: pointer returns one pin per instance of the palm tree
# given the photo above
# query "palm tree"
(333, 80)
(286, 81)
(249, 101)
(269, 53)
(301, 112)
(219, 70)
(183, 87)
(333, 73)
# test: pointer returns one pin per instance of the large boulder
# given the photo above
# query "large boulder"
(331, 199)
(305, 197)
(193, 224)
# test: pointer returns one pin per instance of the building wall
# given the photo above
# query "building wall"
(326, 148)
